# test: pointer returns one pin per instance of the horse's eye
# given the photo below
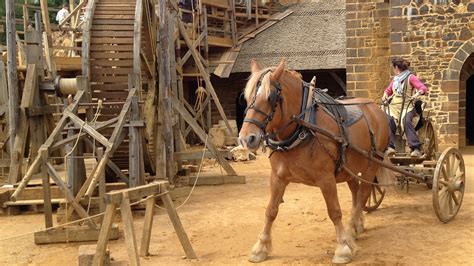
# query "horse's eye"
(242, 101)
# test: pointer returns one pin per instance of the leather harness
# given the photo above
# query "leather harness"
(312, 98)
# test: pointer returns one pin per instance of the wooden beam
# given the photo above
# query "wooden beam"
(129, 230)
(48, 211)
(136, 193)
(37, 162)
(69, 196)
(45, 15)
(72, 234)
(147, 226)
(165, 91)
(104, 235)
(204, 73)
(88, 128)
(16, 163)
(13, 114)
(178, 227)
(202, 135)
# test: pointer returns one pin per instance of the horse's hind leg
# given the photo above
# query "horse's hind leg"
(356, 224)
(346, 247)
(264, 243)
(357, 218)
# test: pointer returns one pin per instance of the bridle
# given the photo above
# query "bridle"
(274, 99)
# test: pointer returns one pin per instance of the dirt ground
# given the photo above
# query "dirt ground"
(223, 223)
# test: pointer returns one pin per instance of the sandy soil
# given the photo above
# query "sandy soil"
(223, 223)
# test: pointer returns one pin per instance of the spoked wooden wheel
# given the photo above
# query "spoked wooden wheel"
(377, 194)
(448, 184)
(428, 137)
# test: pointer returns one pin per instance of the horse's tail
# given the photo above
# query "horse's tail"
(386, 176)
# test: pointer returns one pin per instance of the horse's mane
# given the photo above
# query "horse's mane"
(251, 85)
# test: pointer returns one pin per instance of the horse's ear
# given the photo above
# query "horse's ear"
(254, 67)
(278, 71)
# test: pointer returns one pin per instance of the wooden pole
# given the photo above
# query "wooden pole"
(164, 90)
(45, 14)
(12, 74)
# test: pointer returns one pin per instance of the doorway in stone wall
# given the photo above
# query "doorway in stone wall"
(470, 111)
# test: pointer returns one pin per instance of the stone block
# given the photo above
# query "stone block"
(86, 255)
(353, 24)
(351, 52)
(451, 74)
(468, 48)
(398, 24)
(450, 106)
(461, 55)
(363, 32)
(453, 117)
(396, 37)
(364, 52)
(450, 86)
(400, 48)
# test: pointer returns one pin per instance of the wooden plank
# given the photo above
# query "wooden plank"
(224, 70)
(16, 164)
(111, 28)
(120, 8)
(147, 226)
(137, 41)
(107, 87)
(136, 170)
(105, 55)
(220, 42)
(178, 227)
(129, 231)
(111, 63)
(87, 128)
(112, 70)
(13, 114)
(112, 48)
(108, 40)
(114, 17)
(109, 79)
(104, 235)
(72, 234)
(86, 37)
(136, 193)
(114, 12)
(202, 135)
(45, 16)
(3, 85)
(48, 210)
(115, 34)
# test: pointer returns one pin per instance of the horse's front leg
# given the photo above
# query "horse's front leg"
(346, 247)
(264, 243)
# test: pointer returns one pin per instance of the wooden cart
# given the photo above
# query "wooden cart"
(444, 174)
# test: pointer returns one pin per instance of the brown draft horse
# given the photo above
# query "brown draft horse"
(312, 162)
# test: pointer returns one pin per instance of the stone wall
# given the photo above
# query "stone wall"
(367, 54)
(436, 36)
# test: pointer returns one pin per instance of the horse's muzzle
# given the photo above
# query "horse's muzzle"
(251, 141)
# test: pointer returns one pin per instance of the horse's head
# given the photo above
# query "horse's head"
(264, 93)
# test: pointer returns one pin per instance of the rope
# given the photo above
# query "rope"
(195, 181)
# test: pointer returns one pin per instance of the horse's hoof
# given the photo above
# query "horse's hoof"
(342, 255)
(255, 258)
